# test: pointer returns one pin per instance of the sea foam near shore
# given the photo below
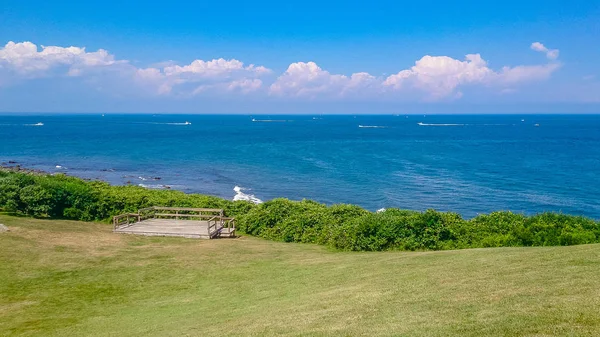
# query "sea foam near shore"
(240, 195)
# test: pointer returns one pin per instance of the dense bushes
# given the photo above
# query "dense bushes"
(352, 228)
(60, 196)
(345, 227)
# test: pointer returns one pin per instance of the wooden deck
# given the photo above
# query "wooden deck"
(182, 222)
(168, 227)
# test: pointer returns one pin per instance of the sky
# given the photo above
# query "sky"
(254, 57)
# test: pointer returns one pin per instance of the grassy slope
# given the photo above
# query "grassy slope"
(72, 278)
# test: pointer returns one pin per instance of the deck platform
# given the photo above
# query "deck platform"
(197, 223)
(168, 227)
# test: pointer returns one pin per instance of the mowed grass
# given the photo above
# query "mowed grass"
(66, 278)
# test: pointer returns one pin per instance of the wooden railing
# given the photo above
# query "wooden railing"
(186, 213)
(217, 223)
(215, 217)
(228, 222)
(124, 220)
(214, 225)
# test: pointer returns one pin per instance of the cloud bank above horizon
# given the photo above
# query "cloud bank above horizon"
(431, 78)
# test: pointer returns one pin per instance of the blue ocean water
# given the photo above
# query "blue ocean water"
(465, 163)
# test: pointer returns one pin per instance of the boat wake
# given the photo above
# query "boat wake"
(240, 195)
(431, 124)
(372, 126)
(268, 120)
(156, 123)
(184, 123)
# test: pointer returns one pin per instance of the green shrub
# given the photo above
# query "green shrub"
(36, 201)
(345, 227)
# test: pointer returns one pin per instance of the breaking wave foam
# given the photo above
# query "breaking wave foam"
(240, 195)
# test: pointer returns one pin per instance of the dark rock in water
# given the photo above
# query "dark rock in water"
(3, 228)
(156, 178)
(12, 162)
(167, 187)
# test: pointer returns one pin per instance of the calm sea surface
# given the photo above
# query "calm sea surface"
(469, 164)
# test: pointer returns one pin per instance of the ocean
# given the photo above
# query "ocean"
(468, 164)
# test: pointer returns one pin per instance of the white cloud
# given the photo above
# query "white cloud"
(245, 85)
(215, 67)
(25, 60)
(441, 75)
(309, 80)
(437, 77)
(521, 74)
(430, 78)
(551, 54)
(200, 76)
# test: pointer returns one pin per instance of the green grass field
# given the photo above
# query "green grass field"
(66, 278)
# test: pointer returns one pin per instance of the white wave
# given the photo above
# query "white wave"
(446, 124)
(268, 120)
(184, 123)
(381, 210)
(142, 178)
(372, 126)
(60, 167)
(240, 195)
(36, 124)
(172, 123)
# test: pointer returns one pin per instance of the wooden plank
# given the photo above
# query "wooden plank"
(185, 215)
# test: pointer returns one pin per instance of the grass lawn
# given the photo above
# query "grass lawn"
(67, 278)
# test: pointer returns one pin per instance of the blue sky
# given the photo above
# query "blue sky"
(310, 56)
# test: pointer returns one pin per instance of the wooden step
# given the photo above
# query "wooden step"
(227, 232)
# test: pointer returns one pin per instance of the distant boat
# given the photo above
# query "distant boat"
(536, 125)
(187, 123)
(39, 124)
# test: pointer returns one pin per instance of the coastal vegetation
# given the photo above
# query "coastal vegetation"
(343, 227)
(72, 278)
